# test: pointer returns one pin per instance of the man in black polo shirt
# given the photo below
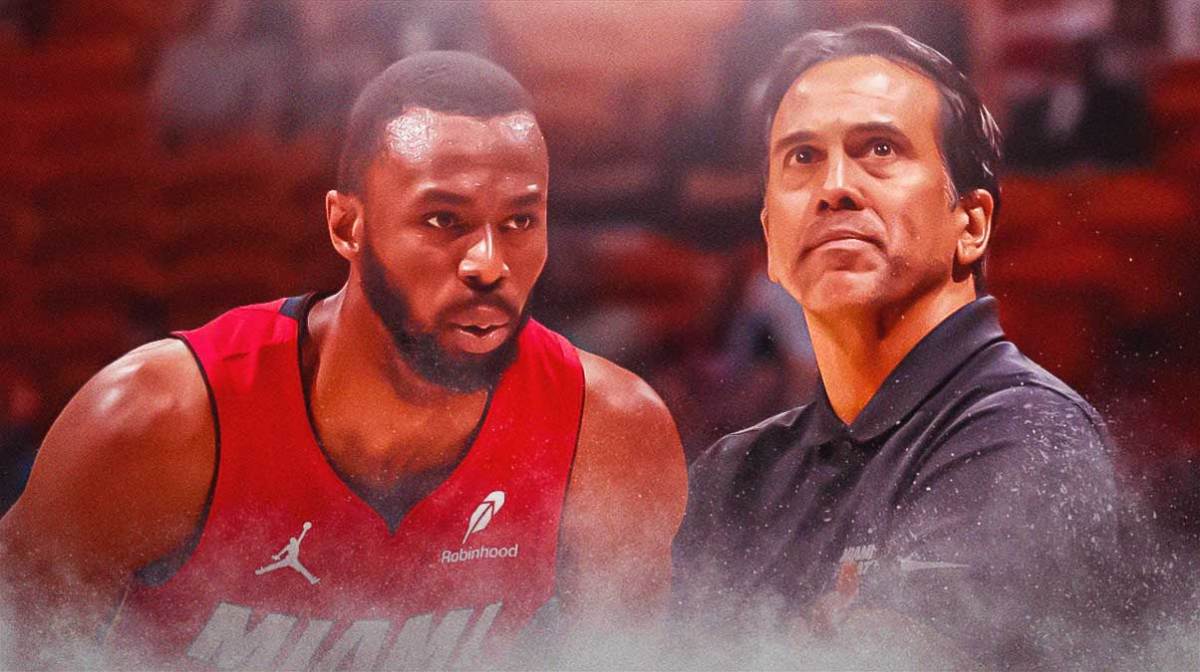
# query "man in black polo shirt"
(940, 479)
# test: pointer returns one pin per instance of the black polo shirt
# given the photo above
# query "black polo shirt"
(974, 493)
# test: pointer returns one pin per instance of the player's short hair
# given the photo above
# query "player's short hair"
(970, 138)
(452, 82)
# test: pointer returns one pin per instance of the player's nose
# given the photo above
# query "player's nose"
(483, 265)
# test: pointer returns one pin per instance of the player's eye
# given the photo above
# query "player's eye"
(520, 222)
(882, 148)
(442, 220)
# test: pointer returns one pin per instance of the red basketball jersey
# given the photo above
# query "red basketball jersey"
(293, 570)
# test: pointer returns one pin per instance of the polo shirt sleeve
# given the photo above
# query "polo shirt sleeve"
(1006, 537)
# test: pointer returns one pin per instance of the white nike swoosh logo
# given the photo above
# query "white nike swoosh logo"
(908, 565)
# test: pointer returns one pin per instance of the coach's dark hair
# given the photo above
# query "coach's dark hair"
(970, 139)
(453, 82)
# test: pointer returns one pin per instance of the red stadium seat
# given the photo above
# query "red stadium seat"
(1175, 96)
(92, 64)
(232, 222)
(1150, 221)
(116, 279)
(1033, 209)
(1138, 205)
(1175, 105)
(208, 283)
(676, 300)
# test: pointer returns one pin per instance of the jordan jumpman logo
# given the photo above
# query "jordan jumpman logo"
(289, 556)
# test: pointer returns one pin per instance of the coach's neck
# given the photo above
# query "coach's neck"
(856, 349)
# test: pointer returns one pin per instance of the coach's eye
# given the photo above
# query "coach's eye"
(519, 222)
(800, 155)
(442, 220)
(882, 148)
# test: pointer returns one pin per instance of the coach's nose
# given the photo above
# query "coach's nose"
(839, 190)
(483, 265)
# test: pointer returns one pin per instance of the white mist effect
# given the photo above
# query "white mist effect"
(857, 646)
(7, 637)
(1177, 647)
(864, 641)
(860, 644)
(76, 653)
(1163, 633)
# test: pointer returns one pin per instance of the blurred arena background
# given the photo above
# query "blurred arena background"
(165, 161)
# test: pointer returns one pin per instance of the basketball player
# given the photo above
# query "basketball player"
(400, 474)
(940, 479)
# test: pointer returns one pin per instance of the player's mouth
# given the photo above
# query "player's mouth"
(480, 329)
(479, 338)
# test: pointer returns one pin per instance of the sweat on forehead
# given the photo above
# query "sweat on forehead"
(413, 135)
(448, 82)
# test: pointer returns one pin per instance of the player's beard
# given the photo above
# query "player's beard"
(460, 372)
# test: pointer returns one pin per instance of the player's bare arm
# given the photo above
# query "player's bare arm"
(625, 498)
(120, 481)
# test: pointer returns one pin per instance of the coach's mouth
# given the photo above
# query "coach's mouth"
(841, 236)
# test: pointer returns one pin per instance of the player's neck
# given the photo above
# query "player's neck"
(379, 426)
(356, 355)
(857, 350)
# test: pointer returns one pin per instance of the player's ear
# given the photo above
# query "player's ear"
(762, 218)
(344, 216)
(977, 206)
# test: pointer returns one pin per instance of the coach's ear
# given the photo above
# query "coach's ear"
(762, 217)
(977, 206)
(344, 215)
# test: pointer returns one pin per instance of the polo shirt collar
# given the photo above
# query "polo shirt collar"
(934, 359)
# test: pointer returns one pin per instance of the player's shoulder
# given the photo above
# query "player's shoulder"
(146, 412)
(616, 394)
(155, 365)
(155, 388)
(626, 430)
(136, 443)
